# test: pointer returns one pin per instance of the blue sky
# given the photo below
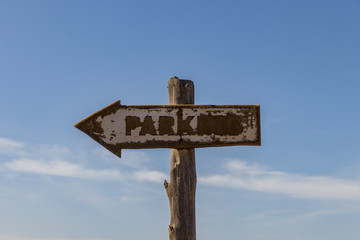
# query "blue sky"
(60, 61)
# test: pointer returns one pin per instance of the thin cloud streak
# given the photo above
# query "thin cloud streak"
(241, 175)
(14, 237)
(67, 169)
(8, 143)
(238, 174)
(56, 160)
(130, 158)
(60, 168)
(150, 176)
(10, 147)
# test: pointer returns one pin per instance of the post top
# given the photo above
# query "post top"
(181, 91)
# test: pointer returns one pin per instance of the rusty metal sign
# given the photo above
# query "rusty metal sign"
(173, 126)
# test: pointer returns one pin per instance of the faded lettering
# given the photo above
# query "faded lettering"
(132, 122)
(165, 125)
(147, 127)
(184, 124)
(219, 125)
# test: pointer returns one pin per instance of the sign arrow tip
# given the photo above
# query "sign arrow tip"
(91, 127)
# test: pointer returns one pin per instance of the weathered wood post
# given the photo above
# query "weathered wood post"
(182, 186)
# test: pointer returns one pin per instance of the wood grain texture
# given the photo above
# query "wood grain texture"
(182, 187)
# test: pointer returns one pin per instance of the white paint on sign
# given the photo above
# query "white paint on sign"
(173, 126)
(114, 125)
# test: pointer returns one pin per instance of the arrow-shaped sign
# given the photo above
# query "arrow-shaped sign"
(173, 126)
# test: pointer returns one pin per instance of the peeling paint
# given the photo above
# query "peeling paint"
(173, 126)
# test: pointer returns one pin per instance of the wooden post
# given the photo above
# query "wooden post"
(182, 186)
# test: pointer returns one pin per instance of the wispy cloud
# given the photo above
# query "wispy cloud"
(67, 169)
(151, 176)
(16, 237)
(9, 146)
(8, 143)
(61, 168)
(130, 158)
(237, 174)
(56, 160)
(242, 175)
